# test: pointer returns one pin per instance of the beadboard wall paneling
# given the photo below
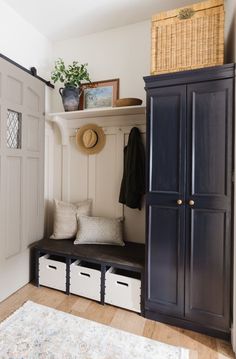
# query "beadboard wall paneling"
(49, 176)
(77, 176)
(79, 167)
(134, 218)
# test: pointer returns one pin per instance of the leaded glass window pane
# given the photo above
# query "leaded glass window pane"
(14, 128)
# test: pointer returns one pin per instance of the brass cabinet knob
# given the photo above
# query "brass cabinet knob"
(191, 202)
(179, 201)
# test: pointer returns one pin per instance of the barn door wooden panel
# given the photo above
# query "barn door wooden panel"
(22, 100)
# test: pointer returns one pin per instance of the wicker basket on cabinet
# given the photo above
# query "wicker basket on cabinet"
(188, 38)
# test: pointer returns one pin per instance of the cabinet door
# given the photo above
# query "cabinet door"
(209, 172)
(166, 140)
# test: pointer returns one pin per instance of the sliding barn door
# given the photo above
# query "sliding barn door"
(21, 173)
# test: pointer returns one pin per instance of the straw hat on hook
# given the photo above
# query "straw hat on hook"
(90, 139)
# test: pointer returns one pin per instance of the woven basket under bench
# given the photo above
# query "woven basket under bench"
(188, 38)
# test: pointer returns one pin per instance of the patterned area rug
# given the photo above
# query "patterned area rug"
(35, 331)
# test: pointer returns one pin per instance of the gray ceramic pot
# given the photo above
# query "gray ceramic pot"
(70, 98)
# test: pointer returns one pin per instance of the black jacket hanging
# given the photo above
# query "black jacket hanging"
(133, 181)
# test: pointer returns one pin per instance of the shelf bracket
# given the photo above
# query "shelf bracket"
(60, 122)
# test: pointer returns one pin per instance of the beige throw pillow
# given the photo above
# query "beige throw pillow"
(99, 230)
(65, 222)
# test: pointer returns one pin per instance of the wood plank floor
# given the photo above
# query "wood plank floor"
(204, 347)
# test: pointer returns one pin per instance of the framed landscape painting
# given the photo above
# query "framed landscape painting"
(99, 94)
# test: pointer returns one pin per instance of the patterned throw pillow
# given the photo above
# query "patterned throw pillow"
(65, 222)
(99, 230)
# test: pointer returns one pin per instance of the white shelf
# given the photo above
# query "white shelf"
(68, 122)
(99, 112)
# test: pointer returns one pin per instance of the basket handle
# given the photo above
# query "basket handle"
(122, 283)
(85, 274)
(186, 13)
(52, 267)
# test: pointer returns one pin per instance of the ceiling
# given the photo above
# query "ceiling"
(63, 19)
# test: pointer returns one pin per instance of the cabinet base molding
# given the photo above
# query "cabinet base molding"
(163, 318)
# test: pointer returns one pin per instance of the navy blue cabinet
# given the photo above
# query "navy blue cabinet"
(189, 198)
(166, 186)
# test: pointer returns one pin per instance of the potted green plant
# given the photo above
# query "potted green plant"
(71, 77)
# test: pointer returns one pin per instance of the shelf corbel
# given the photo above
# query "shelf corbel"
(60, 122)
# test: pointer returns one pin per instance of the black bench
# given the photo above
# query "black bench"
(131, 257)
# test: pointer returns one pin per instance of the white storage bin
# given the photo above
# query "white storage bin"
(85, 279)
(123, 289)
(52, 272)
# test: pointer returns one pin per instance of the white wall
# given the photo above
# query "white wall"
(122, 53)
(21, 42)
(230, 31)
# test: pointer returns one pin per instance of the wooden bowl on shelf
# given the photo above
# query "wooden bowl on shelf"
(129, 101)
